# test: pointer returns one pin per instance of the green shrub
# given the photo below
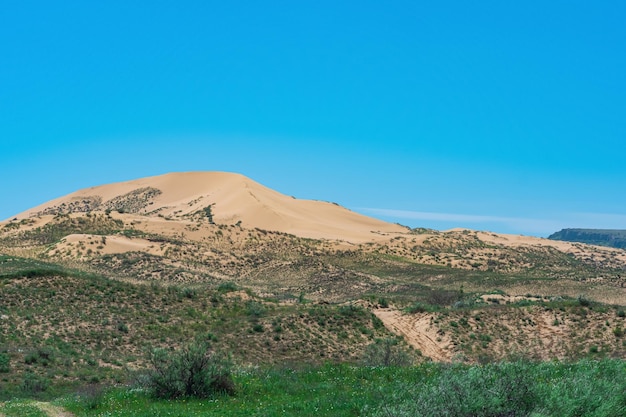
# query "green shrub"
(386, 352)
(209, 214)
(192, 371)
(494, 390)
(254, 309)
(5, 363)
(352, 311)
(226, 287)
(444, 298)
(485, 338)
(190, 293)
(122, 327)
(417, 307)
(34, 384)
(92, 396)
(43, 356)
(464, 303)
(584, 301)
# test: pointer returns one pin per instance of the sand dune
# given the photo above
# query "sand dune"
(577, 249)
(169, 203)
(232, 199)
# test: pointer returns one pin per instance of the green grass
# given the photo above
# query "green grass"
(21, 408)
(589, 388)
(16, 267)
(320, 391)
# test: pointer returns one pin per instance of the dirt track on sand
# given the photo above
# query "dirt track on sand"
(417, 331)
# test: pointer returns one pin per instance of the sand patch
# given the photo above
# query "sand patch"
(222, 198)
(52, 410)
(502, 298)
(418, 332)
(80, 245)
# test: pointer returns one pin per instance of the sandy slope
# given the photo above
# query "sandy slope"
(175, 204)
(577, 249)
(417, 331)
(233, 198)
(102, 245)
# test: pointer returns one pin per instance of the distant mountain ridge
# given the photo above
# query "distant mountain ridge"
(602, 237)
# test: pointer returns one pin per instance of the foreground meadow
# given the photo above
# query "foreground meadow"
(583, 388)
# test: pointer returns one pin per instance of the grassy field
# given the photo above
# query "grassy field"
(584, 388)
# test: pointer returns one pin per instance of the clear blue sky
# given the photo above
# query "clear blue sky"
(502, 116)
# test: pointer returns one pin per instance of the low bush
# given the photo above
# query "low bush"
(5, 363)
(583, 301)
(418, 307)
(190, 293)
(92, 396)
(192, 371)
(34, 384)
(226, 287)
(254, 309)
(386, 352)
(444, 298)
(504, 389)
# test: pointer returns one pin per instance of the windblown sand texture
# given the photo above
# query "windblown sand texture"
(233, 199)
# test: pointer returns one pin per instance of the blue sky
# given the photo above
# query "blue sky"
(488, 115)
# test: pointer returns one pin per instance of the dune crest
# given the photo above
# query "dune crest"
(221, 198)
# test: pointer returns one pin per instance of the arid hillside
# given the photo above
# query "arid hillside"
(102, 273)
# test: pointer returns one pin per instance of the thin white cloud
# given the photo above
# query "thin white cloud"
(444, 217)
(523, 225)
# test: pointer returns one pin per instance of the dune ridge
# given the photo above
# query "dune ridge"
(225, 198)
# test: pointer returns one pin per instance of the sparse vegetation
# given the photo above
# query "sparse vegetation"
(387, 352)
(5, 363)
(208, 211)
(355, 325)
(86, 329)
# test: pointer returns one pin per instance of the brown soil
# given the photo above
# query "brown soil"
(417, 331)
(52, 410)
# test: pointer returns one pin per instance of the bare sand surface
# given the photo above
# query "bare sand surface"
(52, 410)
(234, 199)
(417, 331)
(104, 245)
(520, 240)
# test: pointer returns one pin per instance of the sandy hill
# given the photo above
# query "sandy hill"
(222, 198)
(452, 294)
